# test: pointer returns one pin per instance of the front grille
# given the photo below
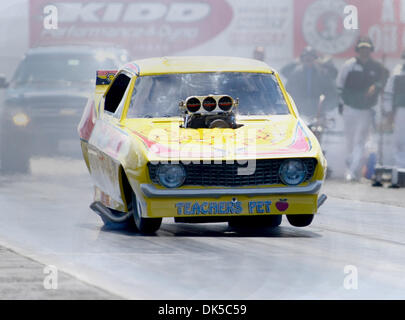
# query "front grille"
(223, 174)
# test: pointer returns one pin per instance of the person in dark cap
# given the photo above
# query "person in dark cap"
(360, 82)
(394, 108)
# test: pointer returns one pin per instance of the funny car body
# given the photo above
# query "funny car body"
(199, 139)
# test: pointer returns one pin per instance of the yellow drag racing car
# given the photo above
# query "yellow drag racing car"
(199, 139)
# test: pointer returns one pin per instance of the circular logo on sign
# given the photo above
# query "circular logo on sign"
(323, 27)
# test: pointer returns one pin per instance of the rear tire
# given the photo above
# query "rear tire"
(300, 220)
(256, 222)
(144, 225)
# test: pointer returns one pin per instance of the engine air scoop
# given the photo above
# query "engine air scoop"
(211, 111)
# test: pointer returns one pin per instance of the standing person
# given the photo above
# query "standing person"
(359, 82)
(307, 81)
(394, 103)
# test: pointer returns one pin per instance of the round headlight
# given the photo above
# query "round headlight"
(21, 119)
(171, 175)
(293, 172)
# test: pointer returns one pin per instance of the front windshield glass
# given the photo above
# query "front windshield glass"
(159, 96)
(66, 68)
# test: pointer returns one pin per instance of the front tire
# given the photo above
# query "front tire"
(300, 220)
(144, 225)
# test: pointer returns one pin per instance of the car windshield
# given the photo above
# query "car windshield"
(60, 68)
(159, 96)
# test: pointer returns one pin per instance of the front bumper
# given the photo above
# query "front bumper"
(229, 202)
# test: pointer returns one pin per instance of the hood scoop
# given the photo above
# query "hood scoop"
(209, 112)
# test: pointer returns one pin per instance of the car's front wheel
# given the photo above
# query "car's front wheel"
(144, 225)
(300, 220)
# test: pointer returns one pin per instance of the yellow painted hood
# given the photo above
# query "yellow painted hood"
(278, 136)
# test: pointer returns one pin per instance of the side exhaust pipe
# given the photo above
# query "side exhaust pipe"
(109, 215)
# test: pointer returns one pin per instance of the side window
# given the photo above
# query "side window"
(116, 93)
(118, 112)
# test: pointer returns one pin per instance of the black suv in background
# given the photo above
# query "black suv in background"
(44, 100)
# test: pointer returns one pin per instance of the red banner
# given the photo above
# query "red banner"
(146, 28)
(222, 27)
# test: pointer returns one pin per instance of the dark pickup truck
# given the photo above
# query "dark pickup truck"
(44, 100)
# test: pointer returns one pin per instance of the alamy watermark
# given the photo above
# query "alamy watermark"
(351, 279)
(50, 17)
(51, 277)
(210, 148)
(351, 20)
